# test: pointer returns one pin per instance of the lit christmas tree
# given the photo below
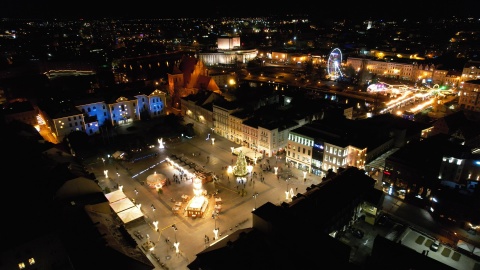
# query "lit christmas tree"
(240, 168)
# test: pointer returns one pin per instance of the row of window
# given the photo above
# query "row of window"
(300, 140)
(336, 151)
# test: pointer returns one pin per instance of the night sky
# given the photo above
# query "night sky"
(375, 9)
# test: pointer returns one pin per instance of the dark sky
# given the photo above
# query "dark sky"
(247, 8)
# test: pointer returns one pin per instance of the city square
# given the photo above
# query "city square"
(229, 199)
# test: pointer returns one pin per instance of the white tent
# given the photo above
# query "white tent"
(123, 206)
(115, 196)
(130, 214)
(476, 251)
(251, 154)
(466, 246)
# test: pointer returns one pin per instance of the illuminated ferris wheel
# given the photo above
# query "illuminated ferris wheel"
(334, 64)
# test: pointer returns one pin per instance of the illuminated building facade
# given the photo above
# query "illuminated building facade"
(299, 150)
(469, 96)
(90, 115)
(66, 123)
(229, 53)
(471, 71)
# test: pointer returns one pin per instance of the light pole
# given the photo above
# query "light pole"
(276, 170)
(255, 199)
(149, 244)
(160, 143)
(215, 229)
(249, 169)
(286, 192)
(304, 176)
(176, 244)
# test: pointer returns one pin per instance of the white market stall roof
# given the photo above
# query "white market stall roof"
(465, 245)
(130, 214)
(123, 206)
(476, 251)
(115, 196)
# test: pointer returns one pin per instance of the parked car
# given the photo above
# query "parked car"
(357, 233)
(435, 245)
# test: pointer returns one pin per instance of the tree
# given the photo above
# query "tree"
(144, 114)
(309, 67)
(254, 63)
(79, 143)
(189, 131)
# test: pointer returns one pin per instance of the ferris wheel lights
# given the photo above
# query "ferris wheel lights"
(334, 63)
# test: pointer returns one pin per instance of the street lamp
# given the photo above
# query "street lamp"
(276, 170)
(213, 141)
(249, 169)
(304, 175)
(286, 192)
(176, 244)
(160, 143)
(215, 229)
(255, 199)
(149, 244)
